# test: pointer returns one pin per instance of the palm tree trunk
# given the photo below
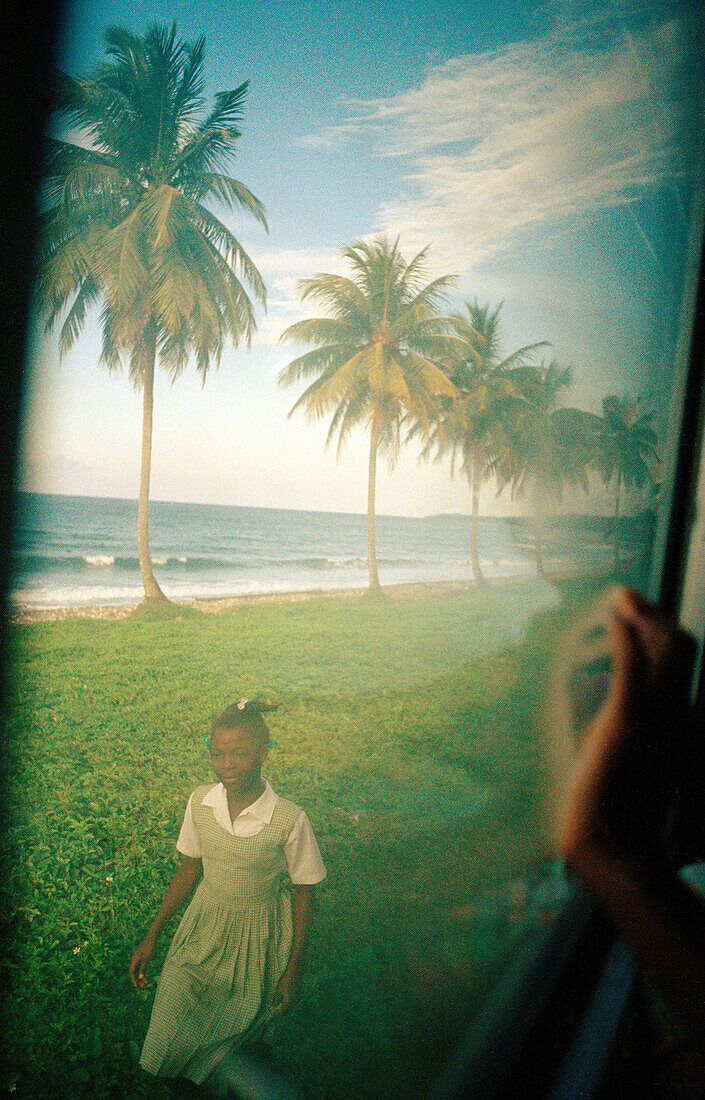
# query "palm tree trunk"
(474, 483)
(152, 591)
(538, 516)
(371, 485)
(617, 539)
(538, 550)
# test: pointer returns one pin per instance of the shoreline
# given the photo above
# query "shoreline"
(212, 605)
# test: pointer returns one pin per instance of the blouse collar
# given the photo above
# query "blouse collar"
(262, 808)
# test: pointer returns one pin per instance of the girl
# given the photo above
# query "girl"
(236, 959)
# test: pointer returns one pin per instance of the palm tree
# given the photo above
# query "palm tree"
(625, 452)
(478, 428)
(537, 456)
(549, 447)
(369, 361)
(127, 227)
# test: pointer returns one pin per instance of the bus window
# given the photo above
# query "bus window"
(480, 273)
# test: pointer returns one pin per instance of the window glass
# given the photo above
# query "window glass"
(512, 396)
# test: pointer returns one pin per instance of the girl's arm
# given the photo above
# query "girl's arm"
(181, 886)
(289, 987)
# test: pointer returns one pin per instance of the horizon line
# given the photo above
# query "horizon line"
(322, 511)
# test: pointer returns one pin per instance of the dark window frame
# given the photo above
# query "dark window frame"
(534, 1029)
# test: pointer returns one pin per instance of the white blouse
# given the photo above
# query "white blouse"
(303, 856)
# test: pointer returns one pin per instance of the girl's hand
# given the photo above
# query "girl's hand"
(138, 964)
(287, 993)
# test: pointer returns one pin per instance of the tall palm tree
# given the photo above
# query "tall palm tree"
(478, 427)
(538, 456)
(127, 228)
(369, 361)
(626, 453)
(549, 447)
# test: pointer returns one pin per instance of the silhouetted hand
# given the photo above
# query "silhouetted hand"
(620, 706)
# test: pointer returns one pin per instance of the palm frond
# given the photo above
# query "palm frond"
(212, 143)
(348, 416)
(87, 296)
(220, 306)
(110, 352)
(331, 387)
(434, 294)
(417, 267)
(189, 94)
(228, 109)
(428, 376)
(125, 224)
(316, 362)
(321, 331)
(340, 296)
(120, 261)
(65, 261)
(521, 355)
(230, 248)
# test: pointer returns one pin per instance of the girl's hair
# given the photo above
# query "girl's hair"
(245, 715)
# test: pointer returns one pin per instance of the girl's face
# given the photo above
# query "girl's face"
(237, 758)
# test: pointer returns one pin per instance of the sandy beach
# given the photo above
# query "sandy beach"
(211, 606)
(413, 590)
(75, 557)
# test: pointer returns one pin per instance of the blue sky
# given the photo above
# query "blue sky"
(542, 151)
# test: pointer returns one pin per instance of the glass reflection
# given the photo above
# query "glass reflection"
(553, 167)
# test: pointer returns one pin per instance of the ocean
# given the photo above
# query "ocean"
(82, 551)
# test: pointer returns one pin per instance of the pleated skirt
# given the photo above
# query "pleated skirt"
(219, 978)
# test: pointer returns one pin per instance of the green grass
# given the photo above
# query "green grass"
(408, 731)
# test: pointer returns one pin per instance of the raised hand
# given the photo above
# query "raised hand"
(619, 711)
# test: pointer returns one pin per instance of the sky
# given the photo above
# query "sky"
(544, 151)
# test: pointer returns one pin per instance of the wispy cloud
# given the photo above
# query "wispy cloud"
(538, 134)
(281, 269)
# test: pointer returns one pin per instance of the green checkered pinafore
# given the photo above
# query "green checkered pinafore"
(229, 951)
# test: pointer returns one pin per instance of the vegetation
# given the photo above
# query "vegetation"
(370, 358)
(625, 453)
(407, 730)
(500, 416)
(545, 448)
(127, 227)
(481, 423)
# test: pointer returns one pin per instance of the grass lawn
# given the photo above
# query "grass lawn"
(407, 729)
